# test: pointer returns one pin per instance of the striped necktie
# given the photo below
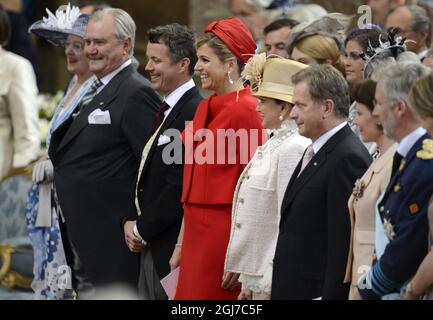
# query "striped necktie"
(93, 90)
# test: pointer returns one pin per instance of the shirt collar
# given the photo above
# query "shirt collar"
(173, 98)
(409, 141)
(106, 80)
(319, 143)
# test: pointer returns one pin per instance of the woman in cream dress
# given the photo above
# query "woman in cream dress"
(19, 128)
(261, 187)
(367, 189)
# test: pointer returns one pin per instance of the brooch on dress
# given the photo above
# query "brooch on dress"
(358, 190)
(427, 150)
(389, 229)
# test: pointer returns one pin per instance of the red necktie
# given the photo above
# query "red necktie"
(159, 118)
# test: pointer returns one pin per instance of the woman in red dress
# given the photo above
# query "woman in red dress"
(219, 143)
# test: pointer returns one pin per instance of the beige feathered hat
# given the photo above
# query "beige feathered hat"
(272, 77)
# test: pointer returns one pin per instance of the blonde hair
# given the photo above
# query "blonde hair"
(219, 48)
(322, 48)
(421, 97)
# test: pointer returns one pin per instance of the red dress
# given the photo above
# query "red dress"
(208, 189)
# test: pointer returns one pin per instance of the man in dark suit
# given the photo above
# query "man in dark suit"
(171, 57)
(402, 235)
(313, 241)
(97, 152)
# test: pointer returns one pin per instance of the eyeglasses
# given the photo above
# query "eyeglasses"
(355, 55)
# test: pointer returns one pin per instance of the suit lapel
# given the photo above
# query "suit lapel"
(101, 101)
(319, 160)
(174, 114)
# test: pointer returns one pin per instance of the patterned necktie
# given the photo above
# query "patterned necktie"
(396, 163)
(159, 118)
(309, 154)
(91, 93)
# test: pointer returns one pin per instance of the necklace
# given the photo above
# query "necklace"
(288, 129)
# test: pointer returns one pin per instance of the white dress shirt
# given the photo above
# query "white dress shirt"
(408, 142)
(106, 80)
(173, 98)
(319, 143)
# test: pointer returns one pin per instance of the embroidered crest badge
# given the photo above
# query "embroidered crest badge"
(427, 150)
(414, 209)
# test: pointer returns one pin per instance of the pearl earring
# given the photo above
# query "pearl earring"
(281, 117)
(230, 77)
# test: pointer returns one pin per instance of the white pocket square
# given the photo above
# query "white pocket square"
(163, 140)
(100, 117)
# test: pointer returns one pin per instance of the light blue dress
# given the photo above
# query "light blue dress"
(52, 279)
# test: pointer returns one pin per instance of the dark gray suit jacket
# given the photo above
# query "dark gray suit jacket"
(160, 187)
(95, 170)
(313, 242)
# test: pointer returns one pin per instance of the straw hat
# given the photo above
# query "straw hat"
(275, 80)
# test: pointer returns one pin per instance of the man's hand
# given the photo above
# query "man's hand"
(230, 281)
(134, 243)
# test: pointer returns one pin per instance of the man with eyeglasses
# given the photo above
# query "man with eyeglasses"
(402, 227)
(96, 155)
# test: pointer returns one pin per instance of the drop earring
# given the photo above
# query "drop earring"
(230, 77)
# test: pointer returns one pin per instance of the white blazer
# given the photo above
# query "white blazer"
(257, 205)
(19, 121)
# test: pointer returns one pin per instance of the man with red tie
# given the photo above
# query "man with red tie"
(171, 57)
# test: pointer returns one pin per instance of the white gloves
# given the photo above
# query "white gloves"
(43, 171)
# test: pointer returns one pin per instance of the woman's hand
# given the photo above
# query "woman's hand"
(230, 281)
(245, 295)
(175, 257)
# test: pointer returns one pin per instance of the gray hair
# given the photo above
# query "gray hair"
(420, 22)
(180, 42)
(399, 78)
(374, 69)
(429, 53)
(326, 82)
(307, 13)
(124, 24)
